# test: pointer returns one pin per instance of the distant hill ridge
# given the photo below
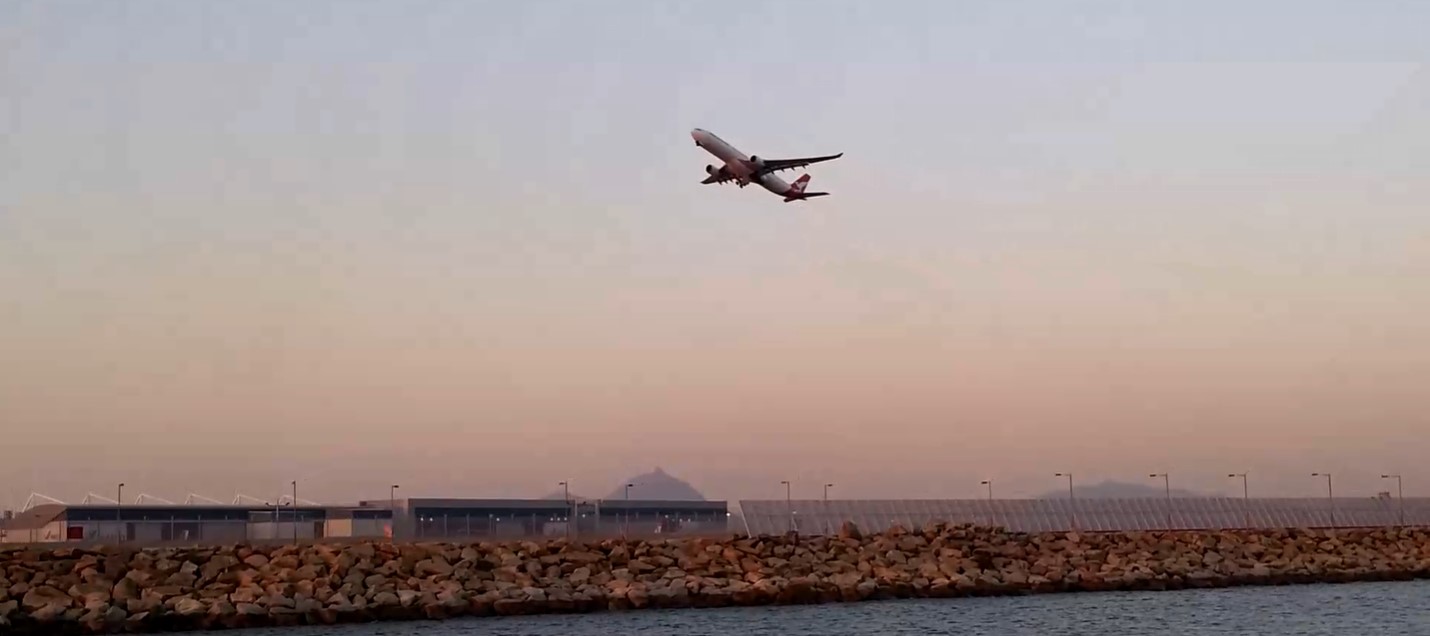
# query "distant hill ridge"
(656, 485)
(1119, 490)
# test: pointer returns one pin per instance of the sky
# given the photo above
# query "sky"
(463, 247)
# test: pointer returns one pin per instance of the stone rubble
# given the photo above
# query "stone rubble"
(124, 589)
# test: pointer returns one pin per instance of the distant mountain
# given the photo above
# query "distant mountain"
(657, 485)
(1119, 490)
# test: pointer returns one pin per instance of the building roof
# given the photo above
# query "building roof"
(34, 518)
(39, 516)
(188, 508)
(503, 504)
(557, 504)
(646, 504)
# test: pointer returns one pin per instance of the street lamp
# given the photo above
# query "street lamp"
(1330, 496)
(1399, 495)
(626, 514)
(1072, 502)
(295, 511)
(826, 507)
(789, 505)
(118, 514)
(392, 510)
(989, 484)
(1245, 499)
(1166, 483)
(566, 497)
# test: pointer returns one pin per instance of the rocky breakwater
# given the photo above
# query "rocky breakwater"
(105, 590)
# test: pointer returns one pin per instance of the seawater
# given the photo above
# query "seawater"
(1355, 609)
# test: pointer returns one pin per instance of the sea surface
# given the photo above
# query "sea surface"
(1355, 609)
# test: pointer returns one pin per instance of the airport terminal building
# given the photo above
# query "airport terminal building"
(425, 518)
(182, 523)
(503, 518)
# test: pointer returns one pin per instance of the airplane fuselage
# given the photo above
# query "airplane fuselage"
(740, 165)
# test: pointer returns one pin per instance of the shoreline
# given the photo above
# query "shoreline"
(113, 589)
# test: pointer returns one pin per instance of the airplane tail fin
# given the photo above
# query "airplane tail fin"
(796, 190)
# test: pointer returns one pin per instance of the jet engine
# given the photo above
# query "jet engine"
(755, 159)
(711, 170)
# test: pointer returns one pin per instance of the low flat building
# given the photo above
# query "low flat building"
(184, 523)
(645, 517)
(40, 524)
(433, 518)
(454, 517)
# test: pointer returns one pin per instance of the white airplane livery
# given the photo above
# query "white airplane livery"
(744, 169)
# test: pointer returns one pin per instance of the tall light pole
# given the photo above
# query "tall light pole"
(1245, 499)
(566, 496)
(789, 506)
(1399, 495)
(118, 513)
(392, 510)
(1072, 501)
(1330, 496)
(1167, 484)
(626, 515)
(826, 507)
(295, 511)
(989, 484)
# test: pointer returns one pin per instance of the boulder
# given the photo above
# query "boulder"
(45, 596)
(189, 607)
(848, 530)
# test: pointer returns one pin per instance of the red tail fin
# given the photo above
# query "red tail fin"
(796, 190)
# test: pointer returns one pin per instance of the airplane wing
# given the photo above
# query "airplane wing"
(776, 165)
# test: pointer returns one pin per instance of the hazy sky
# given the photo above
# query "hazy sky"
(463, 246)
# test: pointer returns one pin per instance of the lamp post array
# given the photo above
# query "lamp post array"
(790, 514)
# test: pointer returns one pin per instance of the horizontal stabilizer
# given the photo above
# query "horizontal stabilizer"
(805, 195)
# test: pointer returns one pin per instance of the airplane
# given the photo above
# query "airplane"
(744, 169)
